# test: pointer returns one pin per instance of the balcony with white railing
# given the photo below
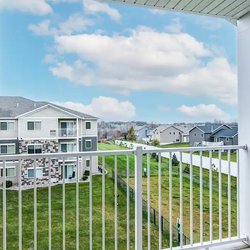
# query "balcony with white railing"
(67, 132)
(145, 199)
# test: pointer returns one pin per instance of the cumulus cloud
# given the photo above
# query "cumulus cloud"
(107, 108)
(204, 112)
(75, 23)
(171, 63)
(37, 7)
(93, 7)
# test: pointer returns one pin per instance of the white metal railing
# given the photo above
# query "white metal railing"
(67, 132)
(137, 187)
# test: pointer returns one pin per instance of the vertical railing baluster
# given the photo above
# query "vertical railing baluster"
(220, 199)
(4, 206)
(35, 206)
(103, 202)
(170, 202)
(191, 200)
(20, 203)
(181, 203)
(116, 206)
(148, 200)
(229, 193)
(63, 204)
(201, 198)
(210, 197)
(49, 205)
(90, 205)
(77, 203)
(159, 201)
(238, 193)
(138, 198)
(128, 205)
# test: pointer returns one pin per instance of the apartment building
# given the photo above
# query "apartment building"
(31, 127)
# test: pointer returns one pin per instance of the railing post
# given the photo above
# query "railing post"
(138, 198)
(243, 26)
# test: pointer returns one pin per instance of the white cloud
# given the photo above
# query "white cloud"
(175, 26)
(157, 11)
(171, 63)
(37, 7)
(204, 112)
(93, 7)
(75, 23)
(107, 108)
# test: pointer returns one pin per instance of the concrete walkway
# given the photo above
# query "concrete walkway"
(186, 158)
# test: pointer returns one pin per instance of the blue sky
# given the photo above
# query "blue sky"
(119, 62)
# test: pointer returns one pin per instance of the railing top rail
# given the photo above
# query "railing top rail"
(194, 149)
(116, 152)
(65, 155)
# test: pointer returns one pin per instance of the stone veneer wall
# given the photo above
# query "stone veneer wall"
(48, 146)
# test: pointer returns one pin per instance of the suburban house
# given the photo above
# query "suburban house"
(167, 134)
(213, 133)
(30, 127)
(143, 133)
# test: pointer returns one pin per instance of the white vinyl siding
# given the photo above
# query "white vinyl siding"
(7, 149)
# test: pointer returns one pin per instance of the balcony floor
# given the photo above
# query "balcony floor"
(233, 246)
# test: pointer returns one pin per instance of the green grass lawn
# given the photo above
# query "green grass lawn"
(42, 218)
(186, 193)
(175, 145)
(224, 155)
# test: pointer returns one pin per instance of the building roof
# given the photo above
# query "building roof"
(226, 132)
(208, 127)
(160, 128)
(228, 9)
(14, 106)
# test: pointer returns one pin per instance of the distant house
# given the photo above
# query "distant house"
(210, 132)
(229, 136)
(143, 133)
(166, 134)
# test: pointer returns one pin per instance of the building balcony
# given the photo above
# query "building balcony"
(67, 132)
(146, 198)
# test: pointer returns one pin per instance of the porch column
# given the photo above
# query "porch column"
(244, 121)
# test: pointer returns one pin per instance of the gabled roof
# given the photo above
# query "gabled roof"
(226, 132)
(208, 128)
(160, 128)
(15, 106)
(172, 126)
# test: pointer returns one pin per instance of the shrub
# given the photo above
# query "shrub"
(9, 184)
(155, 142)
(84, 178)
(186, 170)
(86, 172)
(153, 155)
(175, 161)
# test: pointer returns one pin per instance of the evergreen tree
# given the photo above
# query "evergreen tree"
(131, 134)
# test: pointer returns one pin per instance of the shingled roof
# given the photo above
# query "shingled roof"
(14, 106)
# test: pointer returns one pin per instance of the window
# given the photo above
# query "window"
(227, 139)
(10, 171)
(34, 125)
(67, 147)
(7, 149)
(170, 133)
(174, 133)
(7, 126)
(39, 172)
(194, 134)
(87, 162)
(88, 125)
(35, 149)
(88, 144)
(202, 135)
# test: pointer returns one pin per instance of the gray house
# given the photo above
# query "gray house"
(229, 136)
(206, 132)
(143, 132)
